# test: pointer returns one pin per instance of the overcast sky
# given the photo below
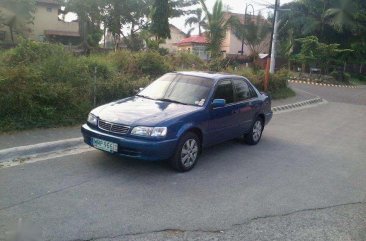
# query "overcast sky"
(236, 6)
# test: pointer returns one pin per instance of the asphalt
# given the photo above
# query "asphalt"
(305, 181)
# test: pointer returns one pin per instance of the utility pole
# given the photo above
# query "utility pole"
(267, 76)
(274, 44)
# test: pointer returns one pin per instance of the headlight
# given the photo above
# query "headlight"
(149, 131)
(92, 119)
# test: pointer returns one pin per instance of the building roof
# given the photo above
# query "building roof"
(178, 29)
(193, 40)
(61, 33)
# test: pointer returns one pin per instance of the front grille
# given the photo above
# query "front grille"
(113, 127)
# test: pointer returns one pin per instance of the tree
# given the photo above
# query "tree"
(198, 19)
(216, 27)
(252, 33)
(342, 16)
(16, 14)
(160, 19)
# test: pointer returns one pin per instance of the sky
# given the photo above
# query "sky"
(236, 6)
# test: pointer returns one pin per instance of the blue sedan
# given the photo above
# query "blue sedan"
(178, 115)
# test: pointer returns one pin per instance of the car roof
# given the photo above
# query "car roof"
(209, 75)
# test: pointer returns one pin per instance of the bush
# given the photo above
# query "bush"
(341, 76)
(151, 63)
(184, 60)
(43, 85)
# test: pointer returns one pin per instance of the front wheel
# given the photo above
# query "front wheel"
(187, 153)
(255, 134)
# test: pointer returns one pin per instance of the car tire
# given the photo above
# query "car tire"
(255, 134)
(187, 152)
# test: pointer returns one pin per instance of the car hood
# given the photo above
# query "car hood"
(138, 111)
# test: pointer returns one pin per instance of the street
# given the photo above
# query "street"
(304, 181)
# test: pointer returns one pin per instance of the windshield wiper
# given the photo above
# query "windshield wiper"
(172, 101)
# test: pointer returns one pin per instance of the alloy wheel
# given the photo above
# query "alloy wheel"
(189, 153)
(257, 130)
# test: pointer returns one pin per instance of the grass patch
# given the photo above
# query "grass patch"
(283, 93)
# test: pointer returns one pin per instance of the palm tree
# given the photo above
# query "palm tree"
(252, 34)
(342, 16)
(216, 27)
(198, 19)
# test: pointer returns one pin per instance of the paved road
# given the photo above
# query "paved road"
(305, 181)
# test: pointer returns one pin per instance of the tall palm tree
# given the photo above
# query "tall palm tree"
(342, 16)
(198, 19)
(216, 27)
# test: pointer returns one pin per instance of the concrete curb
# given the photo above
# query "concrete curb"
(26, 152)
(322, 84)
(297, 105)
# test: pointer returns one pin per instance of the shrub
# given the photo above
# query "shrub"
(184, 60)
(151, 63)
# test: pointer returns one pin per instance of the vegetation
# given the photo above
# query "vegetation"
(336, 28)
(43, 85)
(252, 34)
(198, 19)
(216, 27)
(160, 19)
(15, 14)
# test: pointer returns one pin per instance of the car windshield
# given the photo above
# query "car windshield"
(179, 88)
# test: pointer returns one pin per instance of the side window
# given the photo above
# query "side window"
(243, 90)
(225, 91)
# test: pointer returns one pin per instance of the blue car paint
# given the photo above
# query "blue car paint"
(214, 125)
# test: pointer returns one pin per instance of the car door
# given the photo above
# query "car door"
(245, 100)
(223, 123)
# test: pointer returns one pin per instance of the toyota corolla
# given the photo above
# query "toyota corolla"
(177, 116)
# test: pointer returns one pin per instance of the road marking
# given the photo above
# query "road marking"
(322, 84)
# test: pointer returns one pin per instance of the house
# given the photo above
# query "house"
(231, 45)
(176, 36)
(194, 44)
(47, 25)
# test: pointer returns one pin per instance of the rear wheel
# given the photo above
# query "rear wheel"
(187, 153)
(255, 134)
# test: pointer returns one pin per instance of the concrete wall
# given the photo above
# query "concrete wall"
(46, 18)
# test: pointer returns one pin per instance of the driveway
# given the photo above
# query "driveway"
(305, 181)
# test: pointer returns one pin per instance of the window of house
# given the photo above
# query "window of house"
(49, 9)
(2, 35)
(225, 91)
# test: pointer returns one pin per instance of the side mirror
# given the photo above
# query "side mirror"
(217, 103)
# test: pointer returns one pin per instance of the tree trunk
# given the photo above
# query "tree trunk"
(361, 66)
(242, 47)
(345, 67)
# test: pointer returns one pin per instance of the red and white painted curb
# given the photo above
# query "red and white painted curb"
(322, 84)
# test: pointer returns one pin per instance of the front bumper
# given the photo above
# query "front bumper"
(150, 150)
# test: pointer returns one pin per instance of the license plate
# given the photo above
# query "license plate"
(104, 145)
